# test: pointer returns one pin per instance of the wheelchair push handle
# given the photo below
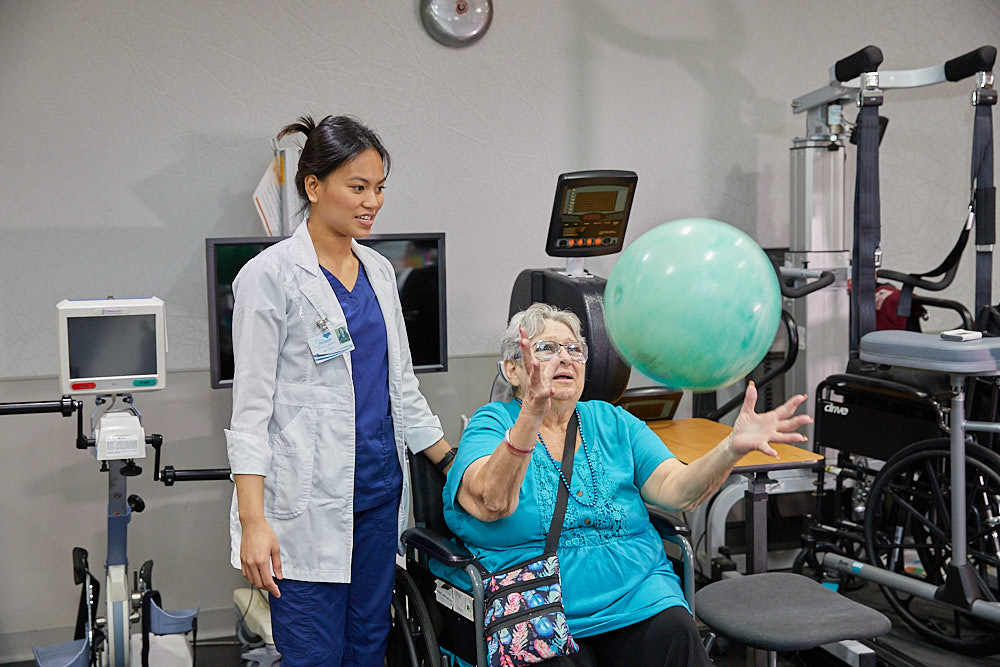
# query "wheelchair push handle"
(977, 60)
(866, 60)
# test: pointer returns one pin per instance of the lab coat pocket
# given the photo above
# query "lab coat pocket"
(293, 449)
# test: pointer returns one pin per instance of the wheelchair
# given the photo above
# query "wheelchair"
(890, 504)
(438, 620)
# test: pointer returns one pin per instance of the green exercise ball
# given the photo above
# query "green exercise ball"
(693, 303)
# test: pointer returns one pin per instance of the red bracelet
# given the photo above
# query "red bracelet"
(516, 450)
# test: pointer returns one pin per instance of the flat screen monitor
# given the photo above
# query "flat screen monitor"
(419, 261)
(111, 345)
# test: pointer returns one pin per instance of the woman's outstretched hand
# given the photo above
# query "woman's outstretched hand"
(537, 393)
(755, 432)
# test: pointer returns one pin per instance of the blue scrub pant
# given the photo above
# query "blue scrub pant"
(318, 624)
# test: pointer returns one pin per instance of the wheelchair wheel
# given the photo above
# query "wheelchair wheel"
(412, 641)
(908, 531)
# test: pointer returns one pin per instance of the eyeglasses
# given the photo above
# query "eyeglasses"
(546, 349)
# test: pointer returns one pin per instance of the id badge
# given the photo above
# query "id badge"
(330, 343)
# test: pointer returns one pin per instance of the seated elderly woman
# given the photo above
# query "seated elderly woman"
(623, 602)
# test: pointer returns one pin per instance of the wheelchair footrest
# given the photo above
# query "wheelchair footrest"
(175, 622)
(265, 656)
(71, 654)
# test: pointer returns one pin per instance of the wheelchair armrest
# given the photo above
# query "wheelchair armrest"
(947, 304)
(910, 279)
(437, 547)
(666, 524)
(918, 280)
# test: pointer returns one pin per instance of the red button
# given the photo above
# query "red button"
(84, 385)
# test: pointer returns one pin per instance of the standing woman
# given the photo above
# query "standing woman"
(324, 402)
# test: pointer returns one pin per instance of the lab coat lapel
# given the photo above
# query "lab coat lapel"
(314, 285)
(305, 251)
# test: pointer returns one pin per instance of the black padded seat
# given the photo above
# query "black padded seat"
(779, 611)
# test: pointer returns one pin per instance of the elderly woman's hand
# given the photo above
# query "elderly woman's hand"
(537, 392)
(754, 432)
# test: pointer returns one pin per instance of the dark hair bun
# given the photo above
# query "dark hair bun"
(305, 125)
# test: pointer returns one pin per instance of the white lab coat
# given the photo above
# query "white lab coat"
(293, 419)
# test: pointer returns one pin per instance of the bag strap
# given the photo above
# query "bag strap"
(569, 450)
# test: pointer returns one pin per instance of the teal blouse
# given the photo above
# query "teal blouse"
(614, 569)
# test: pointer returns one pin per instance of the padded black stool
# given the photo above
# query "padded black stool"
(779, 611)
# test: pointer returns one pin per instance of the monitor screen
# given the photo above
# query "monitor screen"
(590, 213)
(115, 346)
(419, 262)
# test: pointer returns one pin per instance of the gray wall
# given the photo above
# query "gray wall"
(133, 130)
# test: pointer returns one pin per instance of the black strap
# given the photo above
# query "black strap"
(945, 269)
(904, 306)
(446, 459)
(983, 201)
(569, 450)
(867, 227)
(148, 598)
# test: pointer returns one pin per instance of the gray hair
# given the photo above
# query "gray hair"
(533, 319)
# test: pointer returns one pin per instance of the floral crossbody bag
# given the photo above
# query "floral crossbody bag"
(525, 622)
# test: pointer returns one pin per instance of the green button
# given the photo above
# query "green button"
(146, 382)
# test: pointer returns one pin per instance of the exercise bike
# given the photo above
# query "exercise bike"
(111, 348)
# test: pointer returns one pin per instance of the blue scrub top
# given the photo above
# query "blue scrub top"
(377, 476)
(614, 569)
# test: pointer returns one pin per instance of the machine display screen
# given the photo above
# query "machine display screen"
(111, 346)
(600, 200)
(593, 216)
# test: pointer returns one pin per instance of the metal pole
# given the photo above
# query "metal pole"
(959, 543)
(755, 506)
(989, 611)
(478, 612)
(899, 582)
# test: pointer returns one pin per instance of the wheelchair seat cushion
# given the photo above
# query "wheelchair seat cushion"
(929, 352)
(779, 611)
